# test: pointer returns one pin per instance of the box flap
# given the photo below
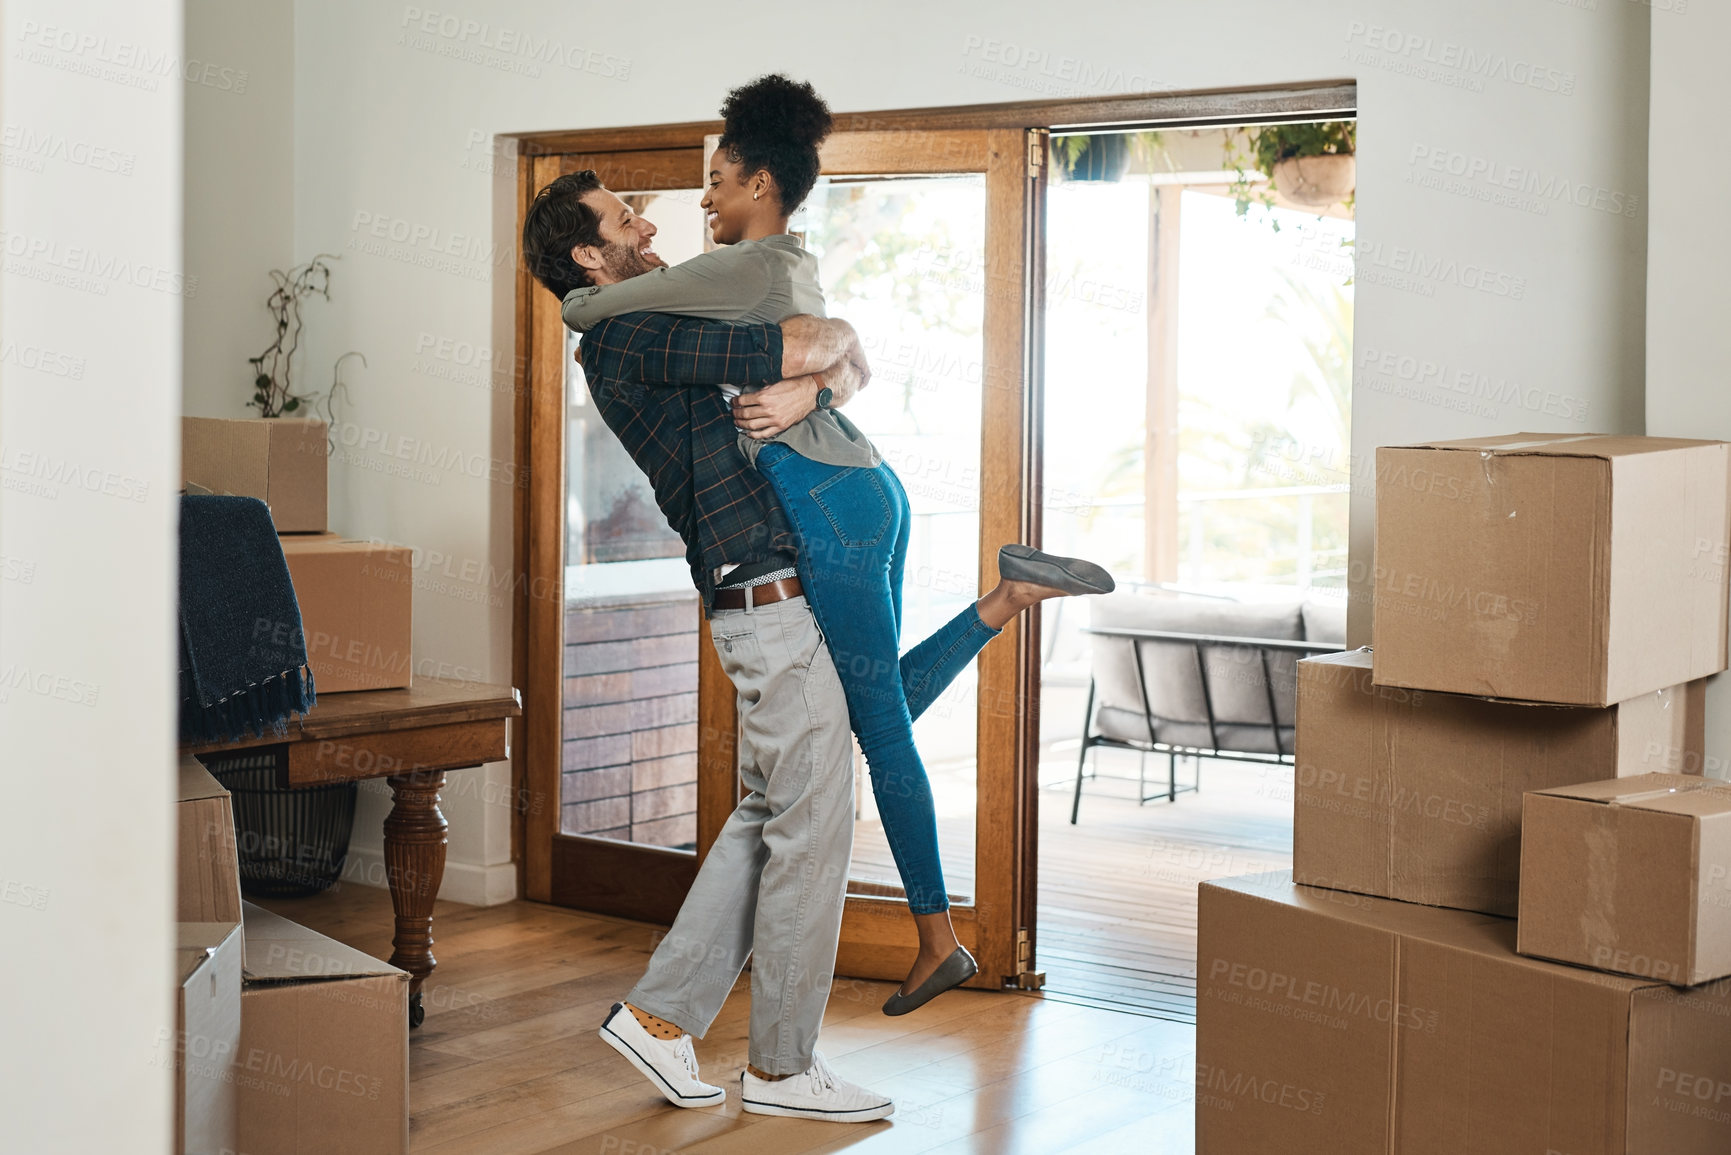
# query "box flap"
(1666, 793)
(196, 782)
(1358, 659)
(1563, 444)
(278, 950)
(196, 941)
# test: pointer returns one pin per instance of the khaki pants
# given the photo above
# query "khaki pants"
(773, 884)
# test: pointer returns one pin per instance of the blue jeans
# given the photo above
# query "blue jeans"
(852, 525)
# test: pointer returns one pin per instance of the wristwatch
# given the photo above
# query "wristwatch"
(825, 396)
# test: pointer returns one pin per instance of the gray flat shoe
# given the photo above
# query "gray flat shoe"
(1024, 563)
(952, 972)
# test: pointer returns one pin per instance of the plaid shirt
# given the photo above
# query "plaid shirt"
(638, 366)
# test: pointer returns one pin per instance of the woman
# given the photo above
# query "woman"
(846, 506)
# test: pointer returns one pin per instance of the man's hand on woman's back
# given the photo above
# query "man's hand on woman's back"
(775, 408)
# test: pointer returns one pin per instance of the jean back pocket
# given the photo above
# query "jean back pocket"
(856, 506)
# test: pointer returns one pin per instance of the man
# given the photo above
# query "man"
(773, 884)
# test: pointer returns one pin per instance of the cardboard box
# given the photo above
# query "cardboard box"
(207, 872)
(323, 1065)
(356, 600)
(207, 1037)
(1330, 1023)
(1579, 570)
(1416, 795)
(281, 461)
(1631, 876)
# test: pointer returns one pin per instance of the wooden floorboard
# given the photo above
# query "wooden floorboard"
(508, 1060)
(1101, 1061)
(1117, 891)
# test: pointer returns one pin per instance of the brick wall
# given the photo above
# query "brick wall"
(630, 754)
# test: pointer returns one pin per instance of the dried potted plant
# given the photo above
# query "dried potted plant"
(274, 394)
(1310, 164)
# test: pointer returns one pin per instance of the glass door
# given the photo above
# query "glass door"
(922, 238)
(615, 642)
(902, 260)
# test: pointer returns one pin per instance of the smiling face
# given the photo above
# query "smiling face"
(628, 242)
(735, 206)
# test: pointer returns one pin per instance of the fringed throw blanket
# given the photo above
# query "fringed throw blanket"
(243, 661)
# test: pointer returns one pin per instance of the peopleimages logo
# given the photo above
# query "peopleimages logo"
(1418, 271)
(1609, 958)
(1421, 594)
(1533, 182)
(1322, 997)
(1704, 1088)
(502, 47)
(1238, 1085)
(1425, 374)
(1387, 797)
(121, 61)
(1452, 57)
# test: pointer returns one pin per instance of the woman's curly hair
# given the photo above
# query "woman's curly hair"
(776, 124)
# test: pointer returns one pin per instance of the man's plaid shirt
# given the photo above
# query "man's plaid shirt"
(653, 377)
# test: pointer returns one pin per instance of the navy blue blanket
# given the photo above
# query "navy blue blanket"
(243, 661)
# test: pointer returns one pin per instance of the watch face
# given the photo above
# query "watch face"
(824, 397)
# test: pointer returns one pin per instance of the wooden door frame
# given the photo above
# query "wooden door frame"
(538, 517)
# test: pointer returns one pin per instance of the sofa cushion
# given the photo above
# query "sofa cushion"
(1129, 726)
(1325, 620)
(1237, 687)
(1198, 616)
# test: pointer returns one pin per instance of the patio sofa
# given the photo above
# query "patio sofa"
(1202, 677)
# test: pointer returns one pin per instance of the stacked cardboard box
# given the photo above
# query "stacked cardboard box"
(1545, 609)
(287, 1042)
(1631, 876)
(324, 1045)
(1329, 1022)
(355, 596)
(207, 966)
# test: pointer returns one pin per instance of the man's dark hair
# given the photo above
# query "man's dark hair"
(557, 221)
(776, 124)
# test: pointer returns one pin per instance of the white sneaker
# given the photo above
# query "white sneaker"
(671, 1064)
(818, 1093)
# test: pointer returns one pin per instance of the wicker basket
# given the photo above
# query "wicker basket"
(293, 840)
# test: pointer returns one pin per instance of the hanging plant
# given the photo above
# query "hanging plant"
(1101, 156)
(1310, 164)
(274, 394)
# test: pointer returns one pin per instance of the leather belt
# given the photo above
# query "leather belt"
(763, 595)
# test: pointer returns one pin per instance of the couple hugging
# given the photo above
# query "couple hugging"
(722, 378)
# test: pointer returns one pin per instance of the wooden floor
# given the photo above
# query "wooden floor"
(1117, 891)
(1117, 898)
(508, 1060)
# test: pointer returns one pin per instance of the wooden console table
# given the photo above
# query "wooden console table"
(410, 738)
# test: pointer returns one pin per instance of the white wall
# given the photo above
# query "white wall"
(1688, 251)
(239, 195)
(90, 313)
(395, 104)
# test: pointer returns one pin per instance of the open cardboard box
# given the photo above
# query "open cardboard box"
(207, 1036)
(324, 1048)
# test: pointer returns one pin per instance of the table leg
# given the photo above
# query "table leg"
(414, 867)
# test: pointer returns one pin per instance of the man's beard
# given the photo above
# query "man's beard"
(623, 261)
